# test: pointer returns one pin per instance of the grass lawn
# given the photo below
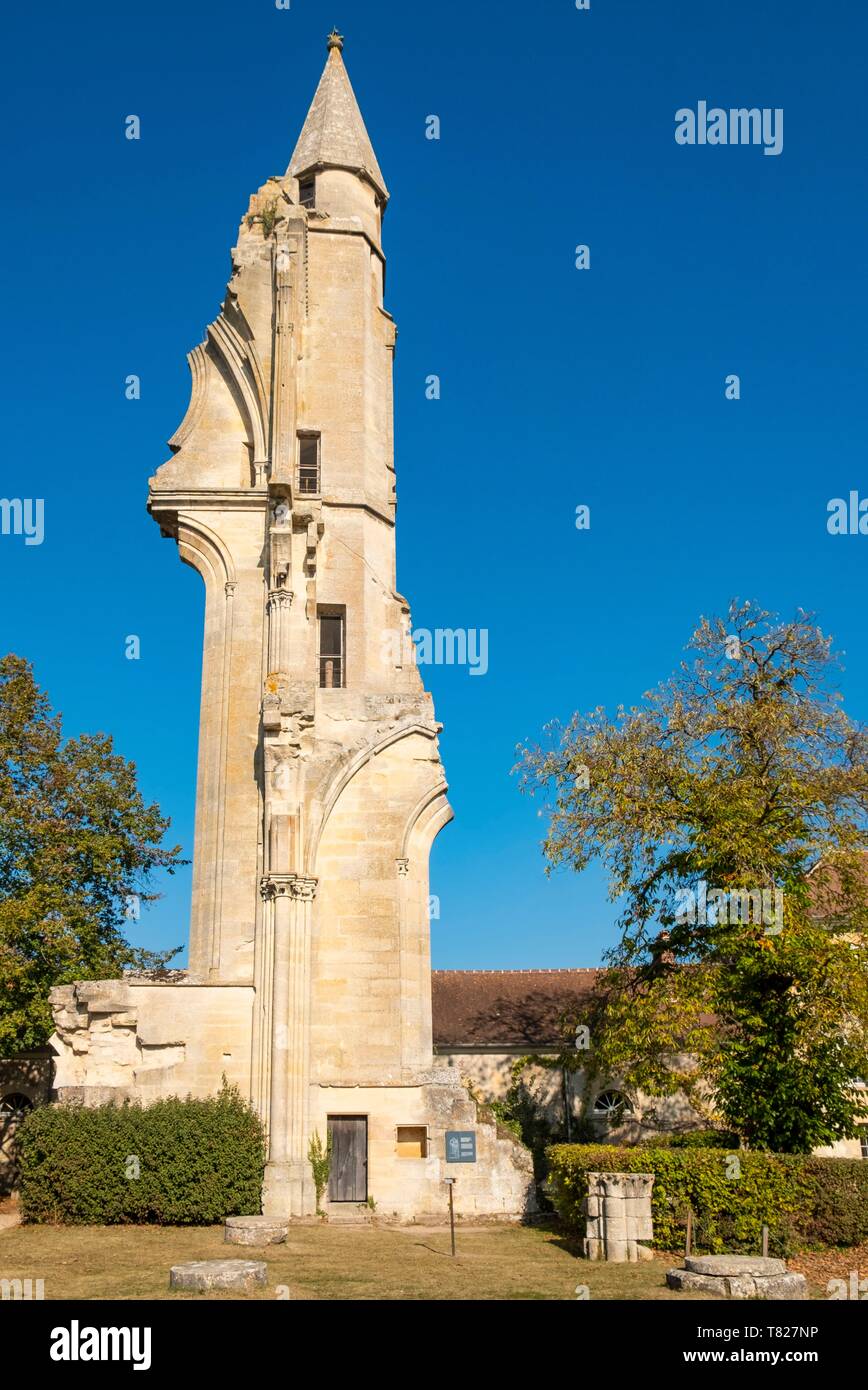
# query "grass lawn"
(326, 1262)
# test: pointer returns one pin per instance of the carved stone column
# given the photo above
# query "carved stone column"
(283, 407)
(288, 1189)
(279, 604)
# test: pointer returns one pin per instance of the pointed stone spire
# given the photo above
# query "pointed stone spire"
(334, 134)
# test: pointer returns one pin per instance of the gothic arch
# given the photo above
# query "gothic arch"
(348, 771)
(197, 361)
(242, 364)
(204, 551)
(426, 820)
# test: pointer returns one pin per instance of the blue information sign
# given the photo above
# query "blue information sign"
(460, 1146)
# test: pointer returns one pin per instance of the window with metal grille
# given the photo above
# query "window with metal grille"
(863, 1142)
(332, 636)
(308, 463)
(307, 193)
(612, 1105)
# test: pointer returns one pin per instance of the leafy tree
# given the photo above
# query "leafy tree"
(741, 773)
(77, 844)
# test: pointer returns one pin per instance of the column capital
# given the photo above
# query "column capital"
(403, 866)
(288, 886)
(280, 598)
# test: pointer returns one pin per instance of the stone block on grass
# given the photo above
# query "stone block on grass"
(234, 1276)
(255, 1230)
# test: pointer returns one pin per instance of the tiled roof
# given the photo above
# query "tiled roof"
(508, 1007)
(831, 898)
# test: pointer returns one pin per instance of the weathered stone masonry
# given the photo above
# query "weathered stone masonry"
(320, 787)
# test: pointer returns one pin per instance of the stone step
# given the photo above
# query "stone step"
(349, 1214)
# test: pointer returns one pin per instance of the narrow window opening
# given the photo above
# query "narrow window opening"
(332, 639)
(308, 463)
(307, 193)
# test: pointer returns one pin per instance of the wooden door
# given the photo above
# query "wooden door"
(348, 1174)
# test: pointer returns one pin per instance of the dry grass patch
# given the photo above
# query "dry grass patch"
(324, 1262)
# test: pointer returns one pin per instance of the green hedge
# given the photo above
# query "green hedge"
(807, 1202)
(176, 1162)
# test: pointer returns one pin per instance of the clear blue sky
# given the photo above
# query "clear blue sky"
(559, 387)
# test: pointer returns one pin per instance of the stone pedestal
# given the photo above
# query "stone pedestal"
(288, 1190)
(618, 1217)
(254, 1230)
(738, 1276)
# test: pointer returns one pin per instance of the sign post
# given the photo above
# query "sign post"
(460, 1148)
(450, 1183)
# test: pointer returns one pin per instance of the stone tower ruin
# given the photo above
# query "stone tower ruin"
(320, 787)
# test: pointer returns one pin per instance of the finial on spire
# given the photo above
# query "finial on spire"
(334, 134)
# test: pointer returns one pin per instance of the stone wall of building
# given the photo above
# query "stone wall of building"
(847, 1148)
(25, 1082)
(117, 1038)
(144, 1040)
(27, 1074)
(409, 1188)
(490, 1074)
